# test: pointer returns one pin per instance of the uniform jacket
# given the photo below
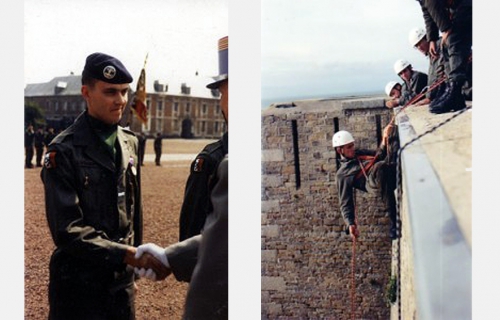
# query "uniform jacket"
(346, 181)
(93, 203)
(417, 83)
(29, 138)
(207, 254)
(197, 203)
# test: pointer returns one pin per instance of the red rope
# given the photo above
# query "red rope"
(353, 263)
(353, 280)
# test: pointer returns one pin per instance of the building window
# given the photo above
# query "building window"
(203, 126)
(159, 125)
(217, 110)
(159, 109)
(204, 109)
(176, 106)
(216, 127)
(56, 106)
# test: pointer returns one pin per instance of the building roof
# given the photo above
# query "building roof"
(62, 86)
(71, 85)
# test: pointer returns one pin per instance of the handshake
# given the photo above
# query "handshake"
(149, 261)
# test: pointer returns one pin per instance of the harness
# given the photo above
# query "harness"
(365, 170)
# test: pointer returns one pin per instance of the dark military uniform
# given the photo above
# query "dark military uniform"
(29, 137)
(417, 83)
(158, 149)
(39, 145)
(93, 208)
(197, 203)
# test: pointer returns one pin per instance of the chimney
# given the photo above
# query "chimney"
(158, 87)
(185, 89)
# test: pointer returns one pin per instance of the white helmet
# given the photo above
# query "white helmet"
(400, 65)
(415, 36)
(341, 138)
(389, 86)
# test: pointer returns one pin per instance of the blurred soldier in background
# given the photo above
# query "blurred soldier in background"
(39, 145)
(158, 148)
(29, 137)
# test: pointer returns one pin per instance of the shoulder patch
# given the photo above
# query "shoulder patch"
(50, 160)
(198, 164)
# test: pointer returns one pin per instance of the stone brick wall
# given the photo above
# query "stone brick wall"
(306, 256)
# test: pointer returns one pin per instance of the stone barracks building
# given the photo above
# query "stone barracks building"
(187, 110)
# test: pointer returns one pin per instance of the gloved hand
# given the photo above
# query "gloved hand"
(155, 250)
(146, 273)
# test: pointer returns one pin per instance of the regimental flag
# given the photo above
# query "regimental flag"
(139, 103)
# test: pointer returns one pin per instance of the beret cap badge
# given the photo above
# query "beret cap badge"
(109, 72)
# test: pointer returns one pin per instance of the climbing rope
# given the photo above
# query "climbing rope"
(353, 279)
(353, 262)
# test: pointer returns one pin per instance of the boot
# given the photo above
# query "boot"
(452, 100)
(443, 90)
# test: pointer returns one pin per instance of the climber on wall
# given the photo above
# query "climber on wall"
(368, 171)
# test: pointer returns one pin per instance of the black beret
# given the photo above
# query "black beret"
(106, 68)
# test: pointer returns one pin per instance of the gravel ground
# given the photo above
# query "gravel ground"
(162, 191)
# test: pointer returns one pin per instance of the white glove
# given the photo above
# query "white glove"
(155, 250)
(146, 273)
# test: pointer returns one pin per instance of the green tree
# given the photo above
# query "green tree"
(33, 114)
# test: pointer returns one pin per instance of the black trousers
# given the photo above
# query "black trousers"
(459, 44)
(29, 157)
(39, 155)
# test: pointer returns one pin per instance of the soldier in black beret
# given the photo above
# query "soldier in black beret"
(91, 177)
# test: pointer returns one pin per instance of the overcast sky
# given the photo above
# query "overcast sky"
(327, 47)
(180, 37)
